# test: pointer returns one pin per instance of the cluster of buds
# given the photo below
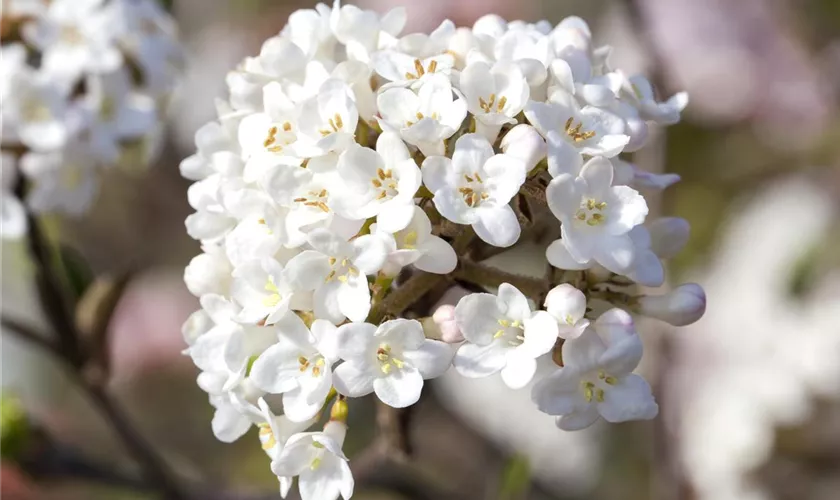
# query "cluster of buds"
(83, 84)
(355, 174)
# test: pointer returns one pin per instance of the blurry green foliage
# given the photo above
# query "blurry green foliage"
(14, 428)
(516, 479)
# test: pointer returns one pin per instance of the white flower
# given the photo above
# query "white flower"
(681, 306)
(328, 120)
(299, 366)
(310, 198)
(568, 306)
(503, 334)
(595, 216)
(275, 432)
(495, 95)
(415, 244)
(118, 113)
(628, 174)
(364, 31)
(391, 360)
(379, 183)
(318, 462)
(571, 131)
(35, 109)
(640, 92)
(426, 118)
(474, 188)
(265, 137)
(524, 143)
(208, 272)
(234, 402)
(74, 37)
(13, 222)
(64, 180)
(336, 270)
(264, 294)
(596, 379)
(228, 346)
(146, 32)
(404, 69)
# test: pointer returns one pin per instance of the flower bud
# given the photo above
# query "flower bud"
(444, 318)
(524, 143)
(681, 306)
(208, 273)
(339, 410)
(668, 236)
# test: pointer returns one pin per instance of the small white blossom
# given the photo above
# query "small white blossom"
(299, 366)
(415, 244)
(503, 334)
(572, 131)
(596, 216)
(495, 95)
(475, 187)
(391, 360)
(596, 379)
(379, 183)
(337, 271)
(423, 119)
(262, 291)
(568, 306)
(318, 462)
(681, 306)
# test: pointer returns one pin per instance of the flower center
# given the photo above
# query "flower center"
(595, 389)
(409, 241)
(336, 124)
(420, 116)
(420, 71)
(35, 110)
(487, 106)
(71, 35)
(385, 182)
(386, 360)
(317, 199)
(319, 456)
(341, 269)
(271, 142)
(592, 212)
(474, 191)
(317, 364)
(274, 297)
(267, 436)
(575, 133)
(514, 330)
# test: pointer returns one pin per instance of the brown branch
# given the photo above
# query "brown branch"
(32, 336)
(487, 276)
(68, 349)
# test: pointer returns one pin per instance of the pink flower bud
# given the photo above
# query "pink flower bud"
(444, 318)
(681, 306)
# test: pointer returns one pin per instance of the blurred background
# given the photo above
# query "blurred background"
(750, 395)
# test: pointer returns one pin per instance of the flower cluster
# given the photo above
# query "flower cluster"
(355, 171)
(83, 84)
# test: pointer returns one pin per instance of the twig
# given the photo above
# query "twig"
(480, 274)
(29, 334)
(68, 349)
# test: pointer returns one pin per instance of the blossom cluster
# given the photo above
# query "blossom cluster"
(352, 165)
(83, 84)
